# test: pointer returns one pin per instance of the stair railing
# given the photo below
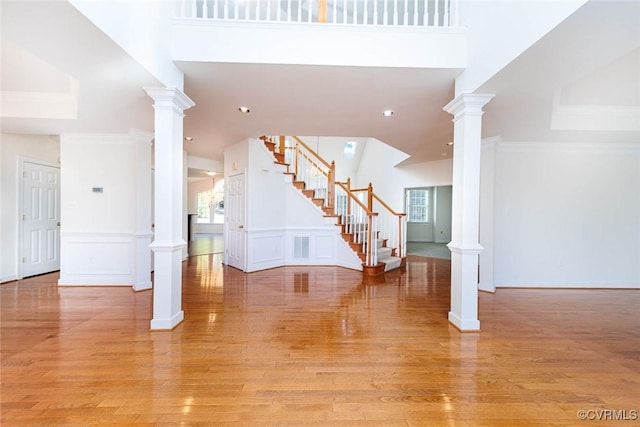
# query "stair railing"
(392, 225)
(358, 221)
(313, 170)
(362, 213)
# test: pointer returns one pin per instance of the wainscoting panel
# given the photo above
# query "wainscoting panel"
(265, 249)
(96, 259)
(325, 247)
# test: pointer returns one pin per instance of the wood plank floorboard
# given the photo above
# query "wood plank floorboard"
(317, 346)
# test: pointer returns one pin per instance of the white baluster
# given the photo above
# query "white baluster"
(258, 11)
(215, 9)
(344, 13)
(236, 13)
(355, 11)
(288, 10)
(425, 18)
(436, 15)
(365, 13)
(247, 13)
(395, 12)
(226, 9)
(375, 13)
(415, 12)
(405, 17)
(183, 9)
(278, 11)
(309, 11)
(205, 9)
(268, 10)
(335, 12)
(194, 9)
(299, 11)
(385, 15)
(445, 18)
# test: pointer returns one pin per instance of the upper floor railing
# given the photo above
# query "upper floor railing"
(419, 13)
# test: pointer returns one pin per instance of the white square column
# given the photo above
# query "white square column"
(169, 105)
(467, 138)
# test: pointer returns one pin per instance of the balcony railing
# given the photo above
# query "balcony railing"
(417, 13)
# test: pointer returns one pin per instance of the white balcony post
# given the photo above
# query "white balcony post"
(465, 247)
(169, 105)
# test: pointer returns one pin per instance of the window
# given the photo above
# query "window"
(418, 200)
(218, 202)
(204, 205)
(210, 204)
(349, 149)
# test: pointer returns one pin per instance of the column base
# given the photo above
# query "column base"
(142, 286)
(167, 324)
(464, 325)
(142, 279)
(487, 287)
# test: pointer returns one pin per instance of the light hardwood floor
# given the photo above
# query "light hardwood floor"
(320, 347)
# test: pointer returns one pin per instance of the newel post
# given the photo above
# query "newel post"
(332, 186)
(370, 197)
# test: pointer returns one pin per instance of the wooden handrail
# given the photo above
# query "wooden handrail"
(355, 199)
(309, 149)
(387, 206)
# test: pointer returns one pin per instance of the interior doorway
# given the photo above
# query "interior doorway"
(428, 213)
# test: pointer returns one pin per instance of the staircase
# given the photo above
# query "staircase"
(314, 178)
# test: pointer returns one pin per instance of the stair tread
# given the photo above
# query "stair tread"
(384, 253)
(391, 263)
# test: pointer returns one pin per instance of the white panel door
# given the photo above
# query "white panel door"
(40, 219)
(234, 206)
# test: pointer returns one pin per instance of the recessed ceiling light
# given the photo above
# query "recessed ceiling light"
(211, 173)
(450, 143)
(387, 113)
(188, 138)
(244, 109)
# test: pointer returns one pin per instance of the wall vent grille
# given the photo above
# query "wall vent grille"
(301, 247)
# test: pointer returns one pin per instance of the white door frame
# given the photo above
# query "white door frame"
(20, 203)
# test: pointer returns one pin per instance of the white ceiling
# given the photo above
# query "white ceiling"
(318, 100)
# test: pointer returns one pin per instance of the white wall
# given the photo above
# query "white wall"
(98, 228)
(332, 149)
(499, 31)
(315, 44)
(567, 215)
(12, 148)
(442, 218)
(389, 181)
(142, 29)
